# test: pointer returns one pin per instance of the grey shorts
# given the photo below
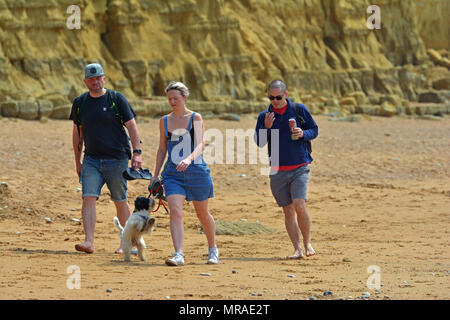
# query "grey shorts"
(288, 185)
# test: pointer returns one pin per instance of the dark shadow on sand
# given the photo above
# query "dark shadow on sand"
(245, 259)
(42, 251)
(132, 263)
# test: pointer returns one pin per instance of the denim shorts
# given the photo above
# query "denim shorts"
(194, 183)
(96, 172)
(288, 185)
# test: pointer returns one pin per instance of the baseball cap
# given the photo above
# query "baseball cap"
(93, 70)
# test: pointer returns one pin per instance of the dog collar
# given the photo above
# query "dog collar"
(145, 218)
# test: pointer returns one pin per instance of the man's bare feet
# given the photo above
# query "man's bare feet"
(85, 247)
(298, 254)
(309, 250)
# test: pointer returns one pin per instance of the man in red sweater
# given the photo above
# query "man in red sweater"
(290, 174)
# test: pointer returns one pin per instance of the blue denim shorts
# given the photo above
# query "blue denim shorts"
(288, 185)
(194, 183)
(96, 172)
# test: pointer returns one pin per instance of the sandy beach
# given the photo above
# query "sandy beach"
(379, 199)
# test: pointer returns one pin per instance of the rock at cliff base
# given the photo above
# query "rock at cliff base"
(28, 110)
(387, 110)
(10, 109)
(61, 112)
(345, 101)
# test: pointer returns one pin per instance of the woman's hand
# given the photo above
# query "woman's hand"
(152, 181)
(184, 164)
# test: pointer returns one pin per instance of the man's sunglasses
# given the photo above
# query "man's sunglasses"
(277, 97)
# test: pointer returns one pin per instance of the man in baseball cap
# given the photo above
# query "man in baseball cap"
(99, 117)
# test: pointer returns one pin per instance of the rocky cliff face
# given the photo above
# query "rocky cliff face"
(224, 50)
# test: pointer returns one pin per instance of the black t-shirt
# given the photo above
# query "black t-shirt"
(103, 134)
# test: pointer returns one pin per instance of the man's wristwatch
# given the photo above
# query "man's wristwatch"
(138, 151)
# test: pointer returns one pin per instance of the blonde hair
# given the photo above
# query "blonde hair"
(174, 85)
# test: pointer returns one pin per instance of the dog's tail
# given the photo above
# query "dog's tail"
(118, 225)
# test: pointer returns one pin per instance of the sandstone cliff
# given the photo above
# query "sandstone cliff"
(225, 51)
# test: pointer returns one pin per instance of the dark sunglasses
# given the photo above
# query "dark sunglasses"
(277, 97)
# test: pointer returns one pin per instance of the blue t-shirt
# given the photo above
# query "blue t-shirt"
(103, 134)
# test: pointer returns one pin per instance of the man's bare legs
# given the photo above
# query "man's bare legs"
(304, 223)
(297, 221)
(89, 218)
(293, 231)
(88, 212)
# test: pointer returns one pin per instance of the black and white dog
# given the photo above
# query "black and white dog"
(139, 223)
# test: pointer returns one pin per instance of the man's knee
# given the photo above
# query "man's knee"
(121, 204)
(300, 206)
(289, 210)
(123, 211)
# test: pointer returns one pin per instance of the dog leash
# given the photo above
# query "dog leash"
(155, 192)
(159, 204)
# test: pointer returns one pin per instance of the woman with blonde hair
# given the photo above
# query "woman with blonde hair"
(186, 176)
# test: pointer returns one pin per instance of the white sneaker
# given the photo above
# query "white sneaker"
(177, 260)
(213, 256)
